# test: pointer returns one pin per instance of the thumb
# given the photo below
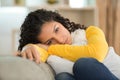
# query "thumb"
(17, 53)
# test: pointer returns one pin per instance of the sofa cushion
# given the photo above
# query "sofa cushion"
(16, 68)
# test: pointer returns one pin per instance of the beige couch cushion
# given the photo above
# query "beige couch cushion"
(16, 68)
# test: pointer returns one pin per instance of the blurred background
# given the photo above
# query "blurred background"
(102, 13)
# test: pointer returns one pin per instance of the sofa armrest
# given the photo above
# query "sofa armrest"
(16, 68)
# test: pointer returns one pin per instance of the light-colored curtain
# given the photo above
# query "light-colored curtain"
(117, 29)
(109, 21)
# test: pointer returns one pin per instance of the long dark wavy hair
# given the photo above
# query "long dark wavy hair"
(32, 25)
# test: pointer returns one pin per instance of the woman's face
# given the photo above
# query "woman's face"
(54, 33)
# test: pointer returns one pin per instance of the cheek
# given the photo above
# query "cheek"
(65, 33)
(42, 38)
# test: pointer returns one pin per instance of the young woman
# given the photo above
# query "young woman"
(51, 31)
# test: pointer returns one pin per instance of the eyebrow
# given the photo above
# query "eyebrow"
(53, 32)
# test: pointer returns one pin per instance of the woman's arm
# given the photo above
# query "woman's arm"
(35, 52)
(97, 47)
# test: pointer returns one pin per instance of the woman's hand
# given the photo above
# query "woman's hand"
(30, 52)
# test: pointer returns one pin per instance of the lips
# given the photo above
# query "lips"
(66, 41)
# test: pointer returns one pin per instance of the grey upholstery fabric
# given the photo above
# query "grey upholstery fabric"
(16, 68)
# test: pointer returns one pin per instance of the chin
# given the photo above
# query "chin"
(70, 43)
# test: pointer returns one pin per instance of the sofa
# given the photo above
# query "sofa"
(17, 68)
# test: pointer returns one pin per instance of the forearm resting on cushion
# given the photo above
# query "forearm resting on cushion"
(97, 47)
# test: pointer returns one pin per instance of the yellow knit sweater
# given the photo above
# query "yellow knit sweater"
(97, 47)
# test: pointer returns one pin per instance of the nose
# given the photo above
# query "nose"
(59, 39)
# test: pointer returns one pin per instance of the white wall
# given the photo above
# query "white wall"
(10, 18)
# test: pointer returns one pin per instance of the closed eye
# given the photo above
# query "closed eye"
(49, 42)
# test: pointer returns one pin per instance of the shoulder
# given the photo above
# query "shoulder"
(94, 28)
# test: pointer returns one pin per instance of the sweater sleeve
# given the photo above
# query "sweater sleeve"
(96, 48)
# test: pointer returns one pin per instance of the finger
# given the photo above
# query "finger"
(23, 54)
(16, 53)
(29, 54)
(36, 55)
